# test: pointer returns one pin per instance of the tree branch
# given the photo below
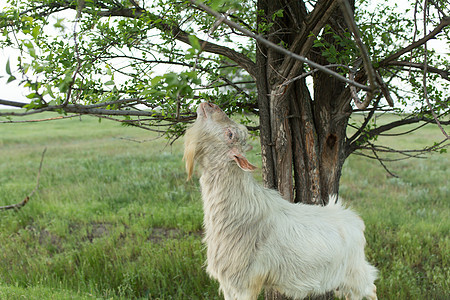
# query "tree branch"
(12, 103)
(381, 161)
(367, 135)
(348, 15)
(27, 198)
(444, 22)
(95, 109)
(443, 73)
(304, 40)
(425, 70)
(41, 120)
(366, 121)
(408, 153)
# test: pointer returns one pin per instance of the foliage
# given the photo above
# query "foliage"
(104, 59)
(168, 56)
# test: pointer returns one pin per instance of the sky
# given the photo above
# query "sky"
(14, 92)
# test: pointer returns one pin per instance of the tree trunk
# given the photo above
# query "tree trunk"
(302, 136)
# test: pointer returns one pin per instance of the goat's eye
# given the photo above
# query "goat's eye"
(230, 134)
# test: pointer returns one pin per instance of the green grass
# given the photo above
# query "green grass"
(407, 218)
(116, 219)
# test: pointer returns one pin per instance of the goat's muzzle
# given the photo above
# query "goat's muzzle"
(206, 110)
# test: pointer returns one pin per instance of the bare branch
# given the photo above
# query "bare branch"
(445, 74)
(304, 40)
(406, 153)
(361, 153)
(41, 120)
(94, 110)
(381, 162)
(303, 75)
(27, 198)
(134, 123)
(363, 138)
(425, 63)
(385, 90)
(348, 15)
(141, 141)
(77, 52)
(12, 103)
(354, 95)
(366, 121)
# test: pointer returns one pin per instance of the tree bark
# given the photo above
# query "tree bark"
(302, 135)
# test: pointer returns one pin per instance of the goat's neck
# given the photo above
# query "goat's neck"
(233, 214)
(231, 206)
(227, 186)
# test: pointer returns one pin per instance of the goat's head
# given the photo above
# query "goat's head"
(215, 137)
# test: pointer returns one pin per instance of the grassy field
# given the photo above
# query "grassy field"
(116, 219)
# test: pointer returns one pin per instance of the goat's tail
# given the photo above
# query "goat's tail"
(334, 200)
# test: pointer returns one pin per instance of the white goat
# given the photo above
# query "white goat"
(255, 239)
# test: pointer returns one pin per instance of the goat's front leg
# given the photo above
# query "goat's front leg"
(230, 293)
(373, 296)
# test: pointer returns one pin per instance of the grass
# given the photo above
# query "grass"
(115, 219)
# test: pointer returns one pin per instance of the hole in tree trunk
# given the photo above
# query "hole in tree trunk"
(331, 140)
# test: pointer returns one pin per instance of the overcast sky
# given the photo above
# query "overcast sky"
(12, 91)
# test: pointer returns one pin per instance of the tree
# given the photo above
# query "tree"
(252, 57)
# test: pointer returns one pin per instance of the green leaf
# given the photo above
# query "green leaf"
(193, 40)
(108, 70)
(49, 91)
(278, 13)
(190, 53)
(171, 79)
(8, 68)
(110, 82)
(59, 24)
(27, 19)
(35, 32)
(32, 96)
(31, 49)
(11, 78)
(215, 4)
(156, 80)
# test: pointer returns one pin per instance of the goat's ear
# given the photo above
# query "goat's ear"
(241, 161)
(189, 154)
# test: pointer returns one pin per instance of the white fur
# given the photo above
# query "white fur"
(255, 239)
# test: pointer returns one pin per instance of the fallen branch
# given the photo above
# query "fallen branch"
(21, 204)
